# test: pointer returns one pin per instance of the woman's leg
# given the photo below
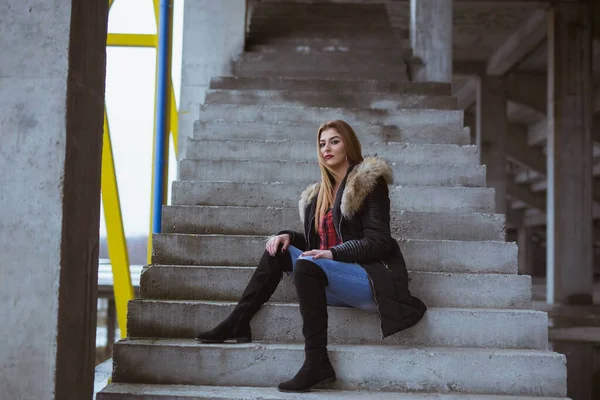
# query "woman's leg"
(236, 327)
(349, 285)
(310, 282)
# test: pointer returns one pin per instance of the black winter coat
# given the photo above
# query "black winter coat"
(361, 214)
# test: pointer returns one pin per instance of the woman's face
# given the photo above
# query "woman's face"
(332, 148)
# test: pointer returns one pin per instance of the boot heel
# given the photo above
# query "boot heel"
(324, 382)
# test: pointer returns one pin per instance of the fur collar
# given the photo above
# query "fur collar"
(361, 181)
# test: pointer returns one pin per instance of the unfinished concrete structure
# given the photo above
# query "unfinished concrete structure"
(267, 73)
(390, 69)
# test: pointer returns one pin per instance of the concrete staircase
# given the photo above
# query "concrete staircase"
(252, 153)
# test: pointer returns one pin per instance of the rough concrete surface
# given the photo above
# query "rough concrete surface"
(317, 115)
(226, 128)
(282, 323)
(421, 255)
(213, 38)
(51, 97)
(122, 391)
(306, 172)
(436, 289)
(365, 367)
(270, 220)
(381, 101)
(328, 85)
(409, 198)
(238, 149)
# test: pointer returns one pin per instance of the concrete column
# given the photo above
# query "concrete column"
(213, 38)
(525, 250)
(569, 204)
(431, 39)
(51, 116)
(492, 126)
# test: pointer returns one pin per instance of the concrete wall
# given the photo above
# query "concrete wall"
(213, 37)
(51, 97)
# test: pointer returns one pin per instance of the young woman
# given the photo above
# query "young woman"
(345, 257)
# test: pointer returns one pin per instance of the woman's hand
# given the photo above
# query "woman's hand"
(318, 254)
(274, 241)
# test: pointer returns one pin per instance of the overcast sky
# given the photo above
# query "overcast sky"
(130, 76)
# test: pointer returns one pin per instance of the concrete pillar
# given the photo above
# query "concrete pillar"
(492, 126)
(524, 234)
(51, 116)
(569, 203)
(431, 39)
(213, 38)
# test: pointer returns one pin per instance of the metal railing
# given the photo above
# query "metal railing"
(165, 123)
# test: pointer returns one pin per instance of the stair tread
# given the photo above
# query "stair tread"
(271, 393)
(468, 242)
(357, 349)
(348, 309)
(192, 207)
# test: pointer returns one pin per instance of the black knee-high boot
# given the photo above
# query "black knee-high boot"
(236, 327)
(310, 282)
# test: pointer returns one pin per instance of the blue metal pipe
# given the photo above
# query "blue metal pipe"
(160, 144)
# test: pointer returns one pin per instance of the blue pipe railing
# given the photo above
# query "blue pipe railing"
(162, 105)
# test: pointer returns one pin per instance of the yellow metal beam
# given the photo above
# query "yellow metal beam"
(115, 234)
(173, 117)
(131, 40)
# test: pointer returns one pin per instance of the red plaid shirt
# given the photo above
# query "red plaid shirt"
(327, 232)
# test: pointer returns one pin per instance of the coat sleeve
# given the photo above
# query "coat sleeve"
(376, 243)
(296, 239)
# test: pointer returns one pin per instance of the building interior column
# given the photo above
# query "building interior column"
(569, 156)
(431, 40)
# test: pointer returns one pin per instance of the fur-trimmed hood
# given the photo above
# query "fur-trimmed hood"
(360, 182)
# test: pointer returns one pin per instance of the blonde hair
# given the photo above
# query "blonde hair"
(326, 197)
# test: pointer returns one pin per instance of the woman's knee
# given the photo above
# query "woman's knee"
(307, 268)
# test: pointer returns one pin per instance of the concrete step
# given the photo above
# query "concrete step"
(308, 171)
(500, 329)
(505, 291)
(420, 255)
(226, 128)
(317, 115)
(133, 391)
(329, 86)
(364, 367)
(269, 220)
(324, 41)
(400, 46)
(332, 59)
(255, 194)
(311, 73)
(301, 65)
(424, 154)
(379, 101)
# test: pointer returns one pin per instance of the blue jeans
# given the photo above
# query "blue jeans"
(349, 285)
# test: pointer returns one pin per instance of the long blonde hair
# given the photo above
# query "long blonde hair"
(326, 197)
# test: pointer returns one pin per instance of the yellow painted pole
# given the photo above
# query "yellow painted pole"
(115, 233)
(173, 117)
